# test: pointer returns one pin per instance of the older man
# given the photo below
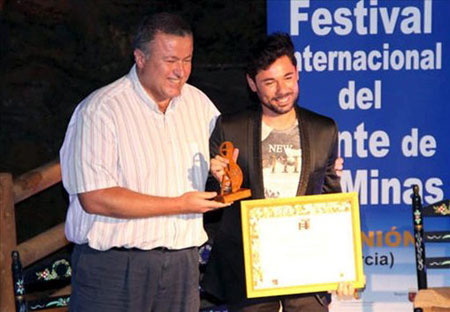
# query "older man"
(134, 162)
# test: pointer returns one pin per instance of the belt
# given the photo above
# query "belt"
(162, 249)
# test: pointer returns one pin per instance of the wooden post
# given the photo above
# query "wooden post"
(8, 241)
(36, 180)
(42, 245)
(421, 267)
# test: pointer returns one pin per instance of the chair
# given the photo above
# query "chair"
(429, 299)
(34, 288)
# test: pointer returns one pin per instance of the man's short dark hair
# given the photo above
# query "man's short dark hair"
(166, 23)
(267, 51)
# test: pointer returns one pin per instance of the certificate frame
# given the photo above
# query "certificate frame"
(262, 217)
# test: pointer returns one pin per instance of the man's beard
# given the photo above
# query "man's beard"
(280, 110)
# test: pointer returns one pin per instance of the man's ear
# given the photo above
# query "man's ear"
(251, 83)
(139, 58)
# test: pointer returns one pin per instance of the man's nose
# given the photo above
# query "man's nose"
(282, 87)
(179, 69)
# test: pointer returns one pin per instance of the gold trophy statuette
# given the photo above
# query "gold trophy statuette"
(230, 188)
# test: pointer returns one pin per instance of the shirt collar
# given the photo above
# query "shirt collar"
(143, 94)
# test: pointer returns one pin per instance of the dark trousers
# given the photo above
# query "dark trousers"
(295, 303)
(119, 280)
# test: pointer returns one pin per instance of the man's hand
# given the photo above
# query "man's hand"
(119, 202)
(339, 166)
(346, 290)
(219, 163)
(200, 202)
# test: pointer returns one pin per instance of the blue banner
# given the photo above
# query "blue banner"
(380, 68)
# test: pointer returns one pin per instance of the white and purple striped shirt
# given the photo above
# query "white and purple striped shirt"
(118, 137)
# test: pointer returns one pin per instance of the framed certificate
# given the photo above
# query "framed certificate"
(302, 244)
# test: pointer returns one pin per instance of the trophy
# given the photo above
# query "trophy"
(230, 188)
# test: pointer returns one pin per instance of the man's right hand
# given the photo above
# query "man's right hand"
(219, 163)
(119, 202)
(199, 202)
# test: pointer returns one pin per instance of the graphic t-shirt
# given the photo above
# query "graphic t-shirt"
(281, 161)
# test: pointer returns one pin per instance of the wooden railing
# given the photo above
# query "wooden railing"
(36, 248)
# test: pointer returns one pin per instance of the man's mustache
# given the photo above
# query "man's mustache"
(276, 98)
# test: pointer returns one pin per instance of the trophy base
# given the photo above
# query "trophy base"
(231, 197)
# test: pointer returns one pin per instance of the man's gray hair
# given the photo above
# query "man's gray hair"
(166, 23)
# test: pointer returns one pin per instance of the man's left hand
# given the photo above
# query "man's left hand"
(346, 290)
(339, 166)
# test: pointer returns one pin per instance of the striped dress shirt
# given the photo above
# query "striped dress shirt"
(118, 137)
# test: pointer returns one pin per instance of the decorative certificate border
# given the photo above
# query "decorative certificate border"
(303, 210)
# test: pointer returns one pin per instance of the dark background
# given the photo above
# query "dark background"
(53, 53)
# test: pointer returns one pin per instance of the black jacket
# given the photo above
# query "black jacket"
(224, 276)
